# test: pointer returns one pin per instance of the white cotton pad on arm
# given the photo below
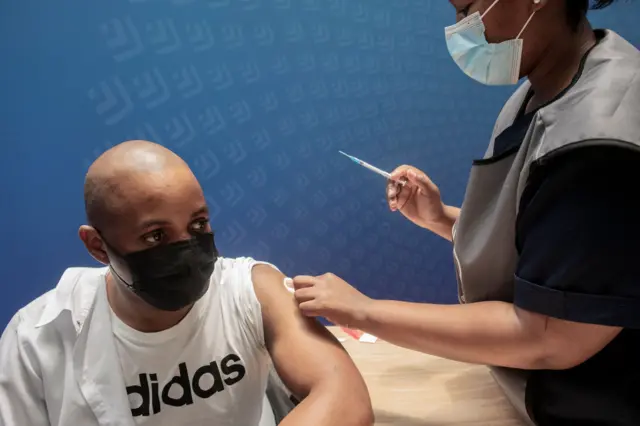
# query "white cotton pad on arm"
(288, 284)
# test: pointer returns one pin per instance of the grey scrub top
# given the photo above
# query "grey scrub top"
(593, 125)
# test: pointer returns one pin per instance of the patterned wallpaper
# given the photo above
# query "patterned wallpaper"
(257, 96)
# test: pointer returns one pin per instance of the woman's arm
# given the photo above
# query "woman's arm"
(444, 227)
(575, 283)
(493, 333)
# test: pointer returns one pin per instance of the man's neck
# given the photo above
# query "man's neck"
(137, 314)
(559, 65)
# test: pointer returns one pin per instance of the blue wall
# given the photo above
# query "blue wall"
(258, 96)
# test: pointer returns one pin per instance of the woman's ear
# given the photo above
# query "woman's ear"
(94, 244)
(539, 4)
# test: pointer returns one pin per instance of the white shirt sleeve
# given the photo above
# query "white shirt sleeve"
(21, 388)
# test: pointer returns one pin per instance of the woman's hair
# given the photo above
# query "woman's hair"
(577, 9)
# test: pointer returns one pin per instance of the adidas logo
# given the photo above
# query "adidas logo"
(206, 382)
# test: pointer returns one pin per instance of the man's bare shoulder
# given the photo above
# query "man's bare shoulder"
(269, 285)
(280, 311)
(264, 274)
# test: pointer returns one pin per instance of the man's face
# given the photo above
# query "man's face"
(152, 209)
(160, 209)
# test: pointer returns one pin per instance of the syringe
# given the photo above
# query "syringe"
(366, 165)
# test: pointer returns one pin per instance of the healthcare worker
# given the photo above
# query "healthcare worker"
(168, 333)
(546, 244)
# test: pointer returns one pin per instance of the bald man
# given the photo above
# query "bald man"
(168, 333)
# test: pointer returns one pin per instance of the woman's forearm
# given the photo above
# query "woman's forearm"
(488, 333)
(444, 226)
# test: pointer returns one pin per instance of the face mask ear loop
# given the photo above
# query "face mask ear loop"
(489, 9)
(108, 248)
(113, 270)
(526, 24)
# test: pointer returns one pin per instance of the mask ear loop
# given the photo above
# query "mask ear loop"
(489, 9)
(128, 285)
(108, 248)
(526, 24)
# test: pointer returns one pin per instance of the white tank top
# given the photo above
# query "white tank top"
(211, 368)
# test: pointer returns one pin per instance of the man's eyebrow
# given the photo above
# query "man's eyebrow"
(160, 222)
(153, 222)
(201, 210)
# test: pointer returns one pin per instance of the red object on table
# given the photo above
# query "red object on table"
(356, 334)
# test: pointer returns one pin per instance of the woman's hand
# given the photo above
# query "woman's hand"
(412, 192)
(415, 195)
(330, 297)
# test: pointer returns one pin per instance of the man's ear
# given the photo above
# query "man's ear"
(93, 242)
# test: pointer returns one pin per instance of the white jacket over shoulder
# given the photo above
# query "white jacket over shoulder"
(59, 365)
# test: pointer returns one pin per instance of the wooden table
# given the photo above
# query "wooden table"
(412, 389)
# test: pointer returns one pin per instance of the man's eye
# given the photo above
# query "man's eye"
(154, 236)
(200, 225)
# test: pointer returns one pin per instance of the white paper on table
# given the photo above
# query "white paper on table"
(368, 338)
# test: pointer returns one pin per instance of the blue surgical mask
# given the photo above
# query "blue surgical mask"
(493, 64)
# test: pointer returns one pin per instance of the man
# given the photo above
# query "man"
(168, 333)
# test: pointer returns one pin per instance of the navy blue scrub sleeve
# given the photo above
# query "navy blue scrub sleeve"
(578, 237)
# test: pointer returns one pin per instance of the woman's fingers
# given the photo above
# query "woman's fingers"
(305, 295)
(392, 194)
(404, 182)
(421, 180)
(397, 194)
(310, 309)
(400, 172)
(395, 186)
(303, 281)
(413, 175)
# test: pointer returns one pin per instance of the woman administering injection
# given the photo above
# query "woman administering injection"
(545, 245)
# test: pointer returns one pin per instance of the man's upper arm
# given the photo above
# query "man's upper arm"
(304, 352)
(21, 401)
(577, 235)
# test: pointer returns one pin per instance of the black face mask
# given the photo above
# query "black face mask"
(168, 277)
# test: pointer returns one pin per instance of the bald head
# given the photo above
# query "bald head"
(128, 174)
(134, 157)
(139, 196)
